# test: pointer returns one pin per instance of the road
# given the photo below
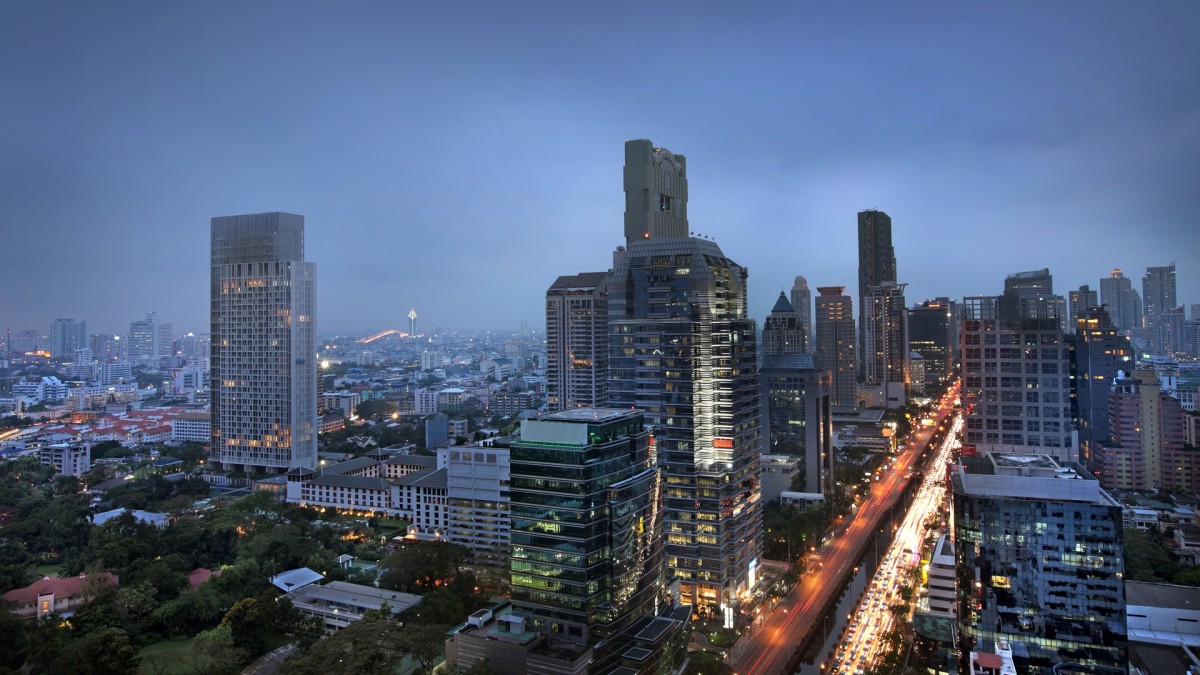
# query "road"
(767, 648)
(863, 643)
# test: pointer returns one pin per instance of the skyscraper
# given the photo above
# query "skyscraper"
(1100, 352)
(1016, 392)
(656, 192)
(150, 339)
(797, 410)
(782, 333)
(577, 341)
(263, 367)
(1123, 303)
(67, 335)
(1030, 295)
(587, 529)
(1082, 300)
(835, 341)
(802, 304)
(683, 349)
(931, 334)
(1039, 557)
(1158, 297)
(883, 352)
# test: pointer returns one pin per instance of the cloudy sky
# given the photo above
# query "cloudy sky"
(456, 157)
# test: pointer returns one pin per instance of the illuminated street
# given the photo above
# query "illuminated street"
(864, 638)
(768, 647)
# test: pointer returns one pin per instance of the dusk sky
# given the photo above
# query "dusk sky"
(456, 157)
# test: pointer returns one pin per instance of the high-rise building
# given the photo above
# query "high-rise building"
(587, 526)
(1016, 391)
(1169, 335)
(656, 192)
(883, 352)
(1147, 447)
(67, 335)
(782, 333)
(835, 337)
(884, 370)
(1100, 352)
(1121, 301)
(798, 415)
(802, 304)
(683, 349)
(1158, 296)
(1040, 562)
(263, 367)
(1082, 300)
(150, 339)
(1030, 295)
(931, 334)
(577, 341)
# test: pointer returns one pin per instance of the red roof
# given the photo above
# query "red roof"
(59, 587)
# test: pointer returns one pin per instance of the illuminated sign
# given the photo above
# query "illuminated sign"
(968, 450)
(723, 443)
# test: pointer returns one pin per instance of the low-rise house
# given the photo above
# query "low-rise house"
(51, 594)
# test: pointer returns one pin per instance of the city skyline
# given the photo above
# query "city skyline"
(437, 167)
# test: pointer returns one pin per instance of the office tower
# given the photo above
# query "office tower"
(1169, 334)
(107, 347)
(931, 334)
(655, 192)
(67, 335)
(1040, 561)
(1100, 352)
(1123, 303)
(1016, 384)
(1082, 300)
(683, 350)
(263, 369)
(150, 339)
(577, 341)
(782, 333)
(802, 305)
(477, 490)
(1030, 295)
(1158, 295)
(1195, 312)
(797, 408)
(835, 342)
(884, 350)
(587, 527)
(1147, 447)
(876, 257)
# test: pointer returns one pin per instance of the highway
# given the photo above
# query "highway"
(766, 649)
(863, 643)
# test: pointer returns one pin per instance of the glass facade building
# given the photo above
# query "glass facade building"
(586, 524)
(1040, 567)
(683, 350)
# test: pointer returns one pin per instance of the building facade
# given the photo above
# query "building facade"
(656, 192)
(1040, 563)
(1100, 352)
(577, 341)
(1158, 297)
(263, 368)
(802, 304)
(835, 340)
(683, 349)
(782, 332)
(1121, 301)
(884, 369)
(1146, 448)
(798, 415)
(931, 334)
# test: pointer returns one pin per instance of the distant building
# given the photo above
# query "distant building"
(656, 193)
(340, 603)
(70, 459)
(796, 400)
(1082, 301)
(941, 576)
(1040, 567)
(67, 335)
(1148, 448)
(931, 333)
(577, 341)
(835, 340)
(1121, 301)
(1100, 352)
(150, 339)
(802, 304)
(191, 427)
(53, 595)
(1158, 297)
(782, 332)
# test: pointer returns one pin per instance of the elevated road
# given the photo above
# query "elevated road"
(774, 647)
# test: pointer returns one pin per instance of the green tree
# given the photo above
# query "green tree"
(375, 409)
(243, 621)
(706, 663)
(373, 644)
(426, 643)
(214, 652)
(108, 651)
(422, 567)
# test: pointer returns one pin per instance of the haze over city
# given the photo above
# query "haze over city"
(457, 159)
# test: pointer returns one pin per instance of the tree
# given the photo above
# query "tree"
(706, 663)
(426, 643)
(375, 409)
(213, 652)
(107, 651)
(243, 621)
(373, 644)
(422, 567)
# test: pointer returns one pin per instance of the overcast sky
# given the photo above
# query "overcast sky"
(456, 157)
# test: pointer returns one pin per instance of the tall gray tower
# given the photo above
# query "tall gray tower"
(655, 192)
(802, 304)
(263, 369)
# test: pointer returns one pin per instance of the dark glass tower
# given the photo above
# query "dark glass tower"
(587, 548)
(1100, 351)
(683, 350)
